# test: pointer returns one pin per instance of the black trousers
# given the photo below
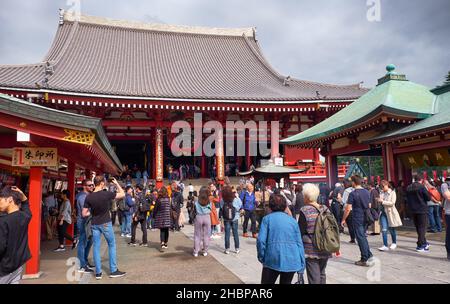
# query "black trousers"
(351, 230)
(164, 235)
(315, 270)
(249, 215)
(113, 217)
(421, 222)
(270, 276)
(119, 217)
(134, 225)
(62, 233)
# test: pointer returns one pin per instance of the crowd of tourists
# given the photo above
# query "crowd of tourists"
(297, 227)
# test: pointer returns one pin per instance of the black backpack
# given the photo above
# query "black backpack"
(123, 206)
(228, 211)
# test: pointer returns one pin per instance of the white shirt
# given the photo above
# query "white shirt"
(346, 194)
(191, 188)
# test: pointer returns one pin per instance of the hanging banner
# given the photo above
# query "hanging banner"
(159, 155)
(427, 158)
(34, 157)
(220, 159)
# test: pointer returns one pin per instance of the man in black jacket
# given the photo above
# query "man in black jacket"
(417, 198)
(14, 250)
(140, 217)
(177, 204)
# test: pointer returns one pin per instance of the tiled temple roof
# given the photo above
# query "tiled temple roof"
(100, 56)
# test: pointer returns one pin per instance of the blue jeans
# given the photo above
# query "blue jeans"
(434, 218)
(360, 233)
(126, 224)
(84, 245)
(385, 228)
(108, 232)
(231, 226)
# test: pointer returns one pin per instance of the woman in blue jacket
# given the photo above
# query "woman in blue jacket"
(279, 244)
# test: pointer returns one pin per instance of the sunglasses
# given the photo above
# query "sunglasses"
(91, 185)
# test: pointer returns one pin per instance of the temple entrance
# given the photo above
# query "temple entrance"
(133, 153)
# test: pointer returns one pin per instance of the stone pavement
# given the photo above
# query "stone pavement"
(143, 265)
(404, 265)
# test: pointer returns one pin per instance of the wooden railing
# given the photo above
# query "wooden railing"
(319, 170)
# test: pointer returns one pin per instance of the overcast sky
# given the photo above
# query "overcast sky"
(328, 41)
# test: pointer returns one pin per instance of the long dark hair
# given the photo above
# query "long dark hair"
(163, 192)
(203, 196)
(228, 194)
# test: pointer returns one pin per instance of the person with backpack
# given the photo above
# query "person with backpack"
(139, 217)
(389, 218)
(417, 198)
(434, 204)
(127, 211)
(230, 206)
(359, 203)
(446, 197)
(202, 222)
(320, 234)
(249, 206)
(279, 245)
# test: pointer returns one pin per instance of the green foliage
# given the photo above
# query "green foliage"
(374, 169)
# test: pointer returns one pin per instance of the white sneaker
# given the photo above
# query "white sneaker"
(384, 248)
(237, 251)
(128, 235)
(195, 254)
(393, 246)
(226, 251)
(205, 253)
(122, 235)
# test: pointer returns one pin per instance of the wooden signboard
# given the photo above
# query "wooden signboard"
(34, 157)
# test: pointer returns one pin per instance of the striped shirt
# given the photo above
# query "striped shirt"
(307, 223)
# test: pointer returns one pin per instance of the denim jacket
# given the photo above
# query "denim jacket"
(279, 243)
(203, 210)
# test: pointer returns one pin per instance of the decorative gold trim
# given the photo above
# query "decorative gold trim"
(79, 137)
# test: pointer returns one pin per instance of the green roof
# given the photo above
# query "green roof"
(40, 113)
(438, 121)
(271, 168)
(394, 95)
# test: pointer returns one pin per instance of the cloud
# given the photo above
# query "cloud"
(321, 40)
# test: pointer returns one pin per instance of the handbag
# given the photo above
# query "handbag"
(300, 279)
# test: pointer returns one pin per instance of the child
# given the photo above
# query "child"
(14, 250)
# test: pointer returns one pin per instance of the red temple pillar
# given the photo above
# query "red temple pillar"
(389, 163)
(34, 228)
(71, 187)
(220, 158)
(248, 158)
(159, 159)
(332, 169)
